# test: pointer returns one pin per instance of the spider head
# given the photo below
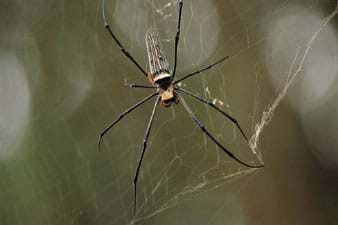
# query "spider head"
(168, 96)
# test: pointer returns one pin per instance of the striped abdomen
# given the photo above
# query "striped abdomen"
(158, 63)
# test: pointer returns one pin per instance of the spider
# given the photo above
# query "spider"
(163, 82)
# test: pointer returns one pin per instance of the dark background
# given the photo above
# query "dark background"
(61, 83)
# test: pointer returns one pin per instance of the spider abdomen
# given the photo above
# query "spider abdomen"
(158, 63)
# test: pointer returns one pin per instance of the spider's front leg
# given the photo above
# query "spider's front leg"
(210, 103)
(121, 116)
(206, 132)
(145, 140)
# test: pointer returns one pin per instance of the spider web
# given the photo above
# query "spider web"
(70, 78)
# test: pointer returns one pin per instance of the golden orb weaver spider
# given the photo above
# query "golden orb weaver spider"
(166, 90)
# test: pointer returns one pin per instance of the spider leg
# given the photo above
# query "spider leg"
(138, 86)
(177, 37)
(125, 52)
(145, 139)
(200, 124)
(206, 101)
(121, 116)
(201, 70)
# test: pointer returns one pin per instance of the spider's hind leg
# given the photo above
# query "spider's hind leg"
(117, 41)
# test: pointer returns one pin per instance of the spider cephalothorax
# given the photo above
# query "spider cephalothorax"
(166, 90)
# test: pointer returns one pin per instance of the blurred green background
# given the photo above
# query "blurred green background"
(62, 81)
